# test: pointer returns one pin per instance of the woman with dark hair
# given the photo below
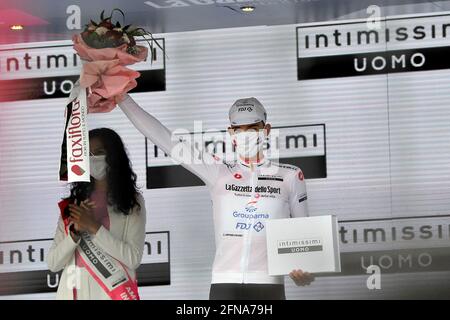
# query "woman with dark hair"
(100, 236)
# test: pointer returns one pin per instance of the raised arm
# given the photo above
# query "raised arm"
(198, 162)
(148, 125)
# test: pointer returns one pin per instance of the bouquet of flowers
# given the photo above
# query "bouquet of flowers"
(106, 48)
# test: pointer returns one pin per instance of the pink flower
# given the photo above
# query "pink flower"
(106, 74)
(109, 81)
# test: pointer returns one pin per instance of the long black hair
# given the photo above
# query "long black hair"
(121, 179)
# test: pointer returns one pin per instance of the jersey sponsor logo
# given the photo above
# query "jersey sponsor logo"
(274, 178)
(284, 166)
(251, 205)
(244, 215)
(233, 187)
(243, 226)
(238, 176)
(268, 189)
(259, 189)
(258, 227)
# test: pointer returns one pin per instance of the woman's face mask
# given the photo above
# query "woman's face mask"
(249, 143)
(98, 166)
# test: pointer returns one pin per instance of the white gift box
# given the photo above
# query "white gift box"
(309, 243)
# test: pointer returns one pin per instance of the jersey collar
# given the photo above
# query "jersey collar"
(258, 164)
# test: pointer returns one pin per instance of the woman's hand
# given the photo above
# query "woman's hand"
(74, 236)
(83, 217)
(74, 232)
(301, 278)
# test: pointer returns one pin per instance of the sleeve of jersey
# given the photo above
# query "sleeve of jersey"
(298, 199)
(201, 163)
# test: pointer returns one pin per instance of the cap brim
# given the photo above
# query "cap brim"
(245, 122)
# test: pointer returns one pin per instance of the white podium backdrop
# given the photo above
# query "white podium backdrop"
(387, 157)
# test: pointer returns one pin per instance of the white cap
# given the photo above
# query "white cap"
(247, 111)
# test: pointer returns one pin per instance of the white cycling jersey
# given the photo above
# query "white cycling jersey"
(243, 197)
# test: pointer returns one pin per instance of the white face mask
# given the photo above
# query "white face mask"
(249, 143)
(98, 166)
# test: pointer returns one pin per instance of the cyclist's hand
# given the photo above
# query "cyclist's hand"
(301, 278)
